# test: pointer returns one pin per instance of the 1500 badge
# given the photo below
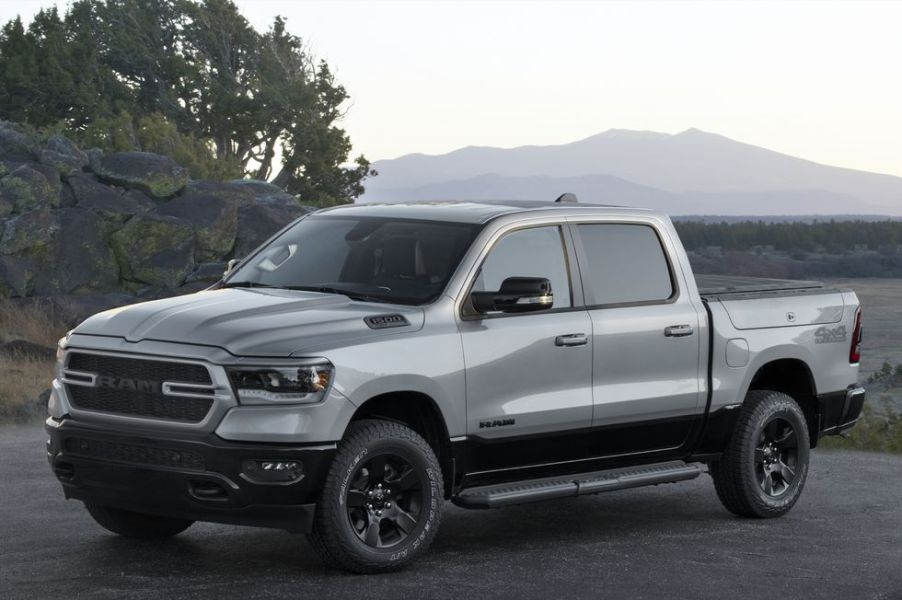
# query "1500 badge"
(496, 423)
(827, 335)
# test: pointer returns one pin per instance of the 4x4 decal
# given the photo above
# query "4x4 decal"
(826, 335)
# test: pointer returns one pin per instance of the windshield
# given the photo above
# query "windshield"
(366, 258)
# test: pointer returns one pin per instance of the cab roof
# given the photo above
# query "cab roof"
(476, 212)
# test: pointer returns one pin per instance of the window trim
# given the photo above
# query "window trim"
(467, 313)
(583, 261)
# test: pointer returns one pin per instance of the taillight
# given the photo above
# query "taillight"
(855, 350)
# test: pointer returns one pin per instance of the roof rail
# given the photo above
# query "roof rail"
(567, 197)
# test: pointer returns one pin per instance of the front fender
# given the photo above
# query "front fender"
(427, 363)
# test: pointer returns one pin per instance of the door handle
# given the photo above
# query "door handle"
(678, 330)
(571, 339)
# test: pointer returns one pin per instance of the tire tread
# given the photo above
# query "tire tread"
(732, 480)
(335, 550)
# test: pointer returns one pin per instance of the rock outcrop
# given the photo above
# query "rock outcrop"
(154, 174)
(95, 230)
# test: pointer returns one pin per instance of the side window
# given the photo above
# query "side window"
(625, 263)
(534, 252)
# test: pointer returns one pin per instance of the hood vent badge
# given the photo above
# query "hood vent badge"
(386, 321)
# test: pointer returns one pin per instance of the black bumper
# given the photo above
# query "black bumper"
(838, 412)
(202, 478)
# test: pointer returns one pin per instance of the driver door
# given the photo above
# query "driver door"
(529, 375)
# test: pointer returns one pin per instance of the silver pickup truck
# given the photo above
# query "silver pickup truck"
(368, 363)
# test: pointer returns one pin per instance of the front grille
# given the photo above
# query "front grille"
(130, 453)
(139, 368)
(132, 387)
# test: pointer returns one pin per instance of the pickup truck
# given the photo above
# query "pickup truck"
(370, 362)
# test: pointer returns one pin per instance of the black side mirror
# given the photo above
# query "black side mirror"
(517, 295)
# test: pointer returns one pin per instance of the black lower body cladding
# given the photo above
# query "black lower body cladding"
(839, 411)
(196, 477)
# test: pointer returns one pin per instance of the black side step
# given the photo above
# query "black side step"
(520, 492)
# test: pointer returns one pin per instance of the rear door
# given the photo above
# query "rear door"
(646, 347)
(528, 375)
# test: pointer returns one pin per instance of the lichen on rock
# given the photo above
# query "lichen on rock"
(155, 250)
(154, 174)
(16, 143)
(82, 224)
(62, 154)
(29, 234)
(215, 221)
(27, 188)
(110, 202)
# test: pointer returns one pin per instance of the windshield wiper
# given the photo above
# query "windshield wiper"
(247, 284)
(334, 290)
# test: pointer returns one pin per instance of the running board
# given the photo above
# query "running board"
(579, 484)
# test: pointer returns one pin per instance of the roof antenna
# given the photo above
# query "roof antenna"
(568, 198)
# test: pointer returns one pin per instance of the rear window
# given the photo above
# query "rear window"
(625, 264)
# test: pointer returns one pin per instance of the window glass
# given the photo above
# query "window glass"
(371, 258)
(534, 252)
(626, 263)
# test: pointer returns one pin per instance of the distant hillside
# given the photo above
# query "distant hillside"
(499, 187)
(690, 172)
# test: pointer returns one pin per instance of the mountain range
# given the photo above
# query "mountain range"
(693, 172)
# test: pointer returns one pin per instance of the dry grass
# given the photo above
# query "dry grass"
(24, 378)
(32, 322)
(23, 382)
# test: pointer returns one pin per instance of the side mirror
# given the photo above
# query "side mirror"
(230, 266)
(517, 295)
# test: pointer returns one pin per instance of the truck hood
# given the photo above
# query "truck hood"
(251, 322)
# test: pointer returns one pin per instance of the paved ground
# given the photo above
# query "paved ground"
(843, 540)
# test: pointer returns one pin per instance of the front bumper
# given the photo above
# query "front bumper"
(199, 477)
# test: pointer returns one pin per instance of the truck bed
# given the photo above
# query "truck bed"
(722, 286)
(760, 303)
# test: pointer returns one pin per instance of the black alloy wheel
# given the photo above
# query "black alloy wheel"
(776, 457)
(384, 500)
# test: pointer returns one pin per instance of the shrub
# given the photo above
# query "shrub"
(154, 133)
(878, 431)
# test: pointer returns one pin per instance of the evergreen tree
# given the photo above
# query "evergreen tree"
(195, 77)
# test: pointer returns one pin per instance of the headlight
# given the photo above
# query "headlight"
(285, 384)
(61, 354)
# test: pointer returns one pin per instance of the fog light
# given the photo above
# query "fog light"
(273, 471)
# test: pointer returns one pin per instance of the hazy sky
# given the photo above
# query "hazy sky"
(818, 80)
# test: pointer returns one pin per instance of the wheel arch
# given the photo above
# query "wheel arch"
(420, 412)
(793, 377)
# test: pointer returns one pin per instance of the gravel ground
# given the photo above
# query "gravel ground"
(843, 540)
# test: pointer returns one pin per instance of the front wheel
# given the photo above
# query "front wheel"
(382, 501)
(764, 467)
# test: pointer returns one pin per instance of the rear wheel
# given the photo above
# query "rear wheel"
(382, 501)
(136, 525)
(763, 470)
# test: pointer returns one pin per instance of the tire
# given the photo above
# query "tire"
(763, 470)
(362, 524)
(136, 525)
